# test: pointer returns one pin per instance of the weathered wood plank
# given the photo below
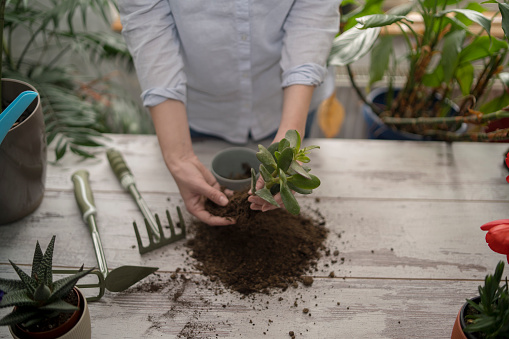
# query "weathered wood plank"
(348, 168)
(376, 238)
(338, 308)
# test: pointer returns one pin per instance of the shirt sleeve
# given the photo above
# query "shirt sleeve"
(309, 30)
(148, 28)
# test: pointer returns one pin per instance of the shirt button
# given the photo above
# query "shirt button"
(243, 37)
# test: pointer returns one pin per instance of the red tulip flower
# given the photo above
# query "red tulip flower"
(498, 236)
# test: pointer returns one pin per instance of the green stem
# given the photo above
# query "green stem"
(475, 119)
(498, 135)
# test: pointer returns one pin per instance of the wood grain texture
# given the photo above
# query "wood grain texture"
(403, 216)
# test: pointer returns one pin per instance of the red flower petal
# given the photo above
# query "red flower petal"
(498, 238)
(487, 226)
(507, 159)
(507, 179)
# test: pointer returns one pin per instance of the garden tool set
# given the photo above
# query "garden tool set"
(153, 224)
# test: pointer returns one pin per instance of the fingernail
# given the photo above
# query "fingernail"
(223, 201)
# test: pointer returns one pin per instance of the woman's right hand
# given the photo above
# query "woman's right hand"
(196, 184)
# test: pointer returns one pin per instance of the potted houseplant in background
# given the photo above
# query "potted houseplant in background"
(45, 49)
(450, 63)
(44, 308)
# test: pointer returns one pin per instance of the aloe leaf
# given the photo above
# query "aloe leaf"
(265, 156)
(300, 181)
(30, 284)
(253, 180)
(17, 298)
(10, 285)
(288, 198)
(17, 317)
(265, 194)
(285, 159)
(60, 306)
(36, 261)
(47, 263)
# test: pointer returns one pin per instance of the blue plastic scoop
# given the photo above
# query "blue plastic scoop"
(11, 114)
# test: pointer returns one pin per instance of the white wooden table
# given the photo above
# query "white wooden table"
(405, 217)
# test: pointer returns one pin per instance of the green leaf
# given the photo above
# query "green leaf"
(17, 317)
(63, 286)
(453, 43)
(380, 55)
(30, 284)
(17, 298)
(298, 189)
(265, 157)
(285, 159)
(295, 166)
(300, 181)
(288, 198)
(36, 262)
(293, 137)
(435, 78)
(60, 306)
(475, 16)
(481, 47)
(379, 20)
(496, 104)
(504, 11)
(265, 194)
(465, 77)
(352, 45)
(10, 285)
(253, 180)
(403, 9)
(267, 177)
(283, 143)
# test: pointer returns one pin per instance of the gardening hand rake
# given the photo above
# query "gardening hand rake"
(152, 223)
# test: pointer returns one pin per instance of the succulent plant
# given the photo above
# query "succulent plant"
(283, 173)
(37, 297)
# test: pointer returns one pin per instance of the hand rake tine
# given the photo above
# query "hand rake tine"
(170, 223)
(182, 223)
(141, 248)
(160, 228)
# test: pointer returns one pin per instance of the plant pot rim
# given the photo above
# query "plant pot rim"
(233, 153)
(37, 99)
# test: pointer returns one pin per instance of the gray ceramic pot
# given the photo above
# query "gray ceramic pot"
(23, 158)
(233, 163)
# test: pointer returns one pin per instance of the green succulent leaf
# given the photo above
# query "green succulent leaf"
(63, 286)
(36, 262)
(288, 198)
(42, 293)
(60, 306)
(302, 182)
(283, 143)
(273, 148)
(46, 263)
(10, 285)
(267, 177)
(30, 284)
(285, 159)
(265, 157)
(295, 166)
(293, 137)
(253, 180)
(274, 189)
(17, 298)
(265, 194)
(298, 189)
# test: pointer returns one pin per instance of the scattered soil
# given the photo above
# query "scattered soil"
(263, 251)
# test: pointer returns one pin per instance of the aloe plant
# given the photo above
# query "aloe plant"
(37, 297)
(283, 173)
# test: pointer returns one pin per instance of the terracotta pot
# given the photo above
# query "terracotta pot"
(77, 327)
(459, 324)
(232, 163)
(23, 158)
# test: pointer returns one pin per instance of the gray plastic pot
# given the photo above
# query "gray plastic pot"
(23, 158)
(232, 163)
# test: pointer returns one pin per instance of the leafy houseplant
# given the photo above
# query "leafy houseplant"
(452, 61)
(43, 45)
(37, 299)
(282, 172)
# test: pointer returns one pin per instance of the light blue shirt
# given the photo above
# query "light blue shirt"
(229, 60)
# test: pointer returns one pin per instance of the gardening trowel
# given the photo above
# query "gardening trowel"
(122, 277)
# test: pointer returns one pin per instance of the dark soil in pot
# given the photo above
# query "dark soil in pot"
(263, 251)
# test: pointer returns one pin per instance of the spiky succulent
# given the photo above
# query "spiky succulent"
(282, 172)
(37, 297)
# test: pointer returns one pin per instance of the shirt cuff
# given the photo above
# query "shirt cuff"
(155, 96)
(306, 74)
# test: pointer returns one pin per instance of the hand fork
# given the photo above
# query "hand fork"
(154, 229)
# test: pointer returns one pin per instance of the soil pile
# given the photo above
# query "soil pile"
(262, 251)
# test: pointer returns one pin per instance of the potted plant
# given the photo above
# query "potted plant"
(232, 167)
(44, 308)
(282, 172)
(450, 64)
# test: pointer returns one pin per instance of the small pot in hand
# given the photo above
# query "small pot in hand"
(232, 167)
(459, 324)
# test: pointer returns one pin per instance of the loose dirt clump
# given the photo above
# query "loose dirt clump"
(264, 250)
